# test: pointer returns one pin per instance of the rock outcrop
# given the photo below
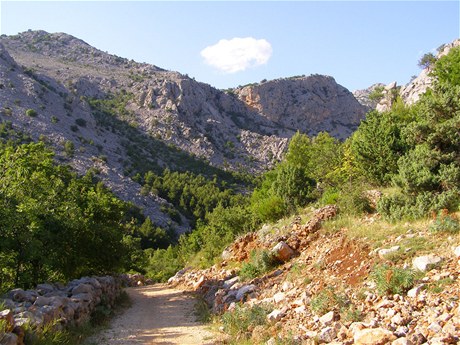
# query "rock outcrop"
(308, 104)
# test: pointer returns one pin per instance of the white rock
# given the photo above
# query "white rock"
(275, 316)
(457, 251)
(278, 297)
(397, 319)
(386, 251)
(414, 292)
(328, 318)
(426, 262)
(401, 341)
(373, 336)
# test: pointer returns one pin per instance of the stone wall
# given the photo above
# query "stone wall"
(58, 304)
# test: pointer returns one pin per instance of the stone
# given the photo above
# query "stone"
(275, 316)
(327, 335)
(82, 288)
(230, 282)
(415, 292)
(43, 289)
(402, 341)
(279, 297)
(426, 262)
(383, 252)
(373, 336)
(457, 251)
(244, 290)
(328, 318)
(397, 319)
(199, 283)
(282, 251)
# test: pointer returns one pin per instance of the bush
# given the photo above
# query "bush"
(81, 122)
(392, 280)
(427, 60)
(69, 148)
(445, 223)
(240, 322)
(326, 300)
(31, 113)
(260, 262)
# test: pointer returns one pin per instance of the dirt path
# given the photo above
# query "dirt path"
(158, 315)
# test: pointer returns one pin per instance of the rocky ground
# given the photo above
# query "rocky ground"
(328, 290)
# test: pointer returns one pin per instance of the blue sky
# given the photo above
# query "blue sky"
(357, 42)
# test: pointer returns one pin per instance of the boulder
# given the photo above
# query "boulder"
(282, 251)
(383, 252)
(83, 288)
(426, 262)
(244, 290)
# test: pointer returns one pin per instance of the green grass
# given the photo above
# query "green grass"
(393, 280)
(240, 322)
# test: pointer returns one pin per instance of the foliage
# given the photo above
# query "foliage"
(31, 113)
(392, 280)
(260, 262)
(427, 60)
(163, 263)
(445, 223)
(46, 208)
(240, 322)
(326, 300)
(378, 144)
(377, 93)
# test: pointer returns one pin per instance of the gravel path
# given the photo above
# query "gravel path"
(158, 315)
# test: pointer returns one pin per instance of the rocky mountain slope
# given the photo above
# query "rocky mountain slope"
(123, 117)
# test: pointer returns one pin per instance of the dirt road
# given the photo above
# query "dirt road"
(158, 315)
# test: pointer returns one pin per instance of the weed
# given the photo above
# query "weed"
(439, 286)
(31, 113)
(239, 322)
(326, 300)
(392, 280)
(202, 311)
(260, 262)
(445, 223)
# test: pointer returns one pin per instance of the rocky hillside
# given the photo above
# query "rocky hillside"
(391, 284)
(122, 117)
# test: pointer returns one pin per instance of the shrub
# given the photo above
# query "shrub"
(240, 322)
(392, 280)
(427, 60)
(326, 300)
(54, 119)
(69, 148)
(80, 122)
(74, 128)
(445, 223)
(31, 112)
(260, 262)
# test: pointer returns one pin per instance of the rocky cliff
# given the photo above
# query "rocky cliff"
(124, 117)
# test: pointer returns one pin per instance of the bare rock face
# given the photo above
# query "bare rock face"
(309, 104)
(412, 91)
(363, 96)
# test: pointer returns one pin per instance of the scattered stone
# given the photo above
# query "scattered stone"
(426, 262)
(244, 291)
(457, 251)
(415, 292)
(279, 297)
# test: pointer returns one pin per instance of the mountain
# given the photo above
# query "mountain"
(121, 117)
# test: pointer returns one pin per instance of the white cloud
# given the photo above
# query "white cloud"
(237, 54)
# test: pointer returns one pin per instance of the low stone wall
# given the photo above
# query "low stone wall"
(57, 304)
